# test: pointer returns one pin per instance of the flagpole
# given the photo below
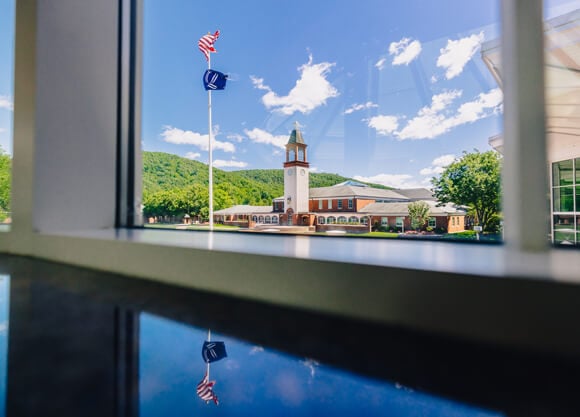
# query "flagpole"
(210, 153)
(209, 340)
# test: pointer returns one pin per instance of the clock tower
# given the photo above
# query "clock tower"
(296, 174)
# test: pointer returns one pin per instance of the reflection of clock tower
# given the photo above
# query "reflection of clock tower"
(296, 168)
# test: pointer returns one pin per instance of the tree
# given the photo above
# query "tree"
(473, 181)
(418, 213)
(5, 181)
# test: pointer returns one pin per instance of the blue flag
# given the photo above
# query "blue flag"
(214, 80)
(213, 351)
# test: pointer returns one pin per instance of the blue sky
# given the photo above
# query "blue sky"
(389, 92)
(257, 381)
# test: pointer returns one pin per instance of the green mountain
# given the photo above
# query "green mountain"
(173, 185)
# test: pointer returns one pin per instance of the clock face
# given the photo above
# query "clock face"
(290, 171)
(302, 171)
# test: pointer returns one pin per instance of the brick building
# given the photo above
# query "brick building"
(348, 206)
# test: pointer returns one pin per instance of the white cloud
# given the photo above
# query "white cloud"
(384, 125)
(433, 79)
(261, 136)
(187, 137)
(438, 165)
(392, 180)
(443, 160)
(457, 54)
(2, 130)
(405, 51)
(3, 326)
(6, 103)
(357, 107)
(314, 169)
(235, 137)
(256, 349)
(437, 119)
(192, 155)
(220, 163)
(381, 63)
(312, 90)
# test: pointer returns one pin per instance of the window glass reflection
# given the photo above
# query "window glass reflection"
(256, 381)
(4, 312)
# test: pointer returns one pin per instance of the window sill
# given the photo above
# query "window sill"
(471, 291)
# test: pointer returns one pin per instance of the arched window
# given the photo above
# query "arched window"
(261, 219)
(292, 155)
(254, 219)
(267, 219)
(331, 220)
(275, 219)
(353, 219)
(342, 219)
(321, 219)
(301, 154)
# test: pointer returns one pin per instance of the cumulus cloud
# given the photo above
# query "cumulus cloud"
(392, 180)
(381, 63)
(261, 136)
(220, 163)
(457, 54)
(357, 107)
(405, 51)
(439, 118)
(256, 349)
(383, 124)
(192, 155)
(311, 90)
(438, 165)
(6, 103)
(235, 137)
(187, 137)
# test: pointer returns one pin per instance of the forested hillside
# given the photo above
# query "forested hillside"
(174, 186)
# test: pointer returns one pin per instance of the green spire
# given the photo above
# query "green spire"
(296, 135)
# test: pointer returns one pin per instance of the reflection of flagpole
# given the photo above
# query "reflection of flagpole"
(210, 154)
(209, 340)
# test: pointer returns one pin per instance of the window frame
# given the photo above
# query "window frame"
(369, 288)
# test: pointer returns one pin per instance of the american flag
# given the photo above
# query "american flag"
(205, 390)
(206, 42)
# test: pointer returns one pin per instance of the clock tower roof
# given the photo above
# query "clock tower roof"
(296, 136)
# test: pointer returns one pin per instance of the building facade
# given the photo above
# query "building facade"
(346, 207)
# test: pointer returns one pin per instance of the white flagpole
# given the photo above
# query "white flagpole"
(209, 340)
(210, 153)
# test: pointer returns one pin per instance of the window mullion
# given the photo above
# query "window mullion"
(524, 177)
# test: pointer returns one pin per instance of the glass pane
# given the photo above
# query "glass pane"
(365, 101)
(562, 41)
(563, 173)
(6, 105)
(4, 315)
(564, 199)
(564, 231)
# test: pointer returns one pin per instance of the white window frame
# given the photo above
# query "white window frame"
(339, 204)
(320, 204)
(84, 222)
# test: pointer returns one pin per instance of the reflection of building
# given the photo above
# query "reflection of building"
(562, 74)
(348, 206)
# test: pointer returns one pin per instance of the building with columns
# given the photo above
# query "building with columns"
(350, 206)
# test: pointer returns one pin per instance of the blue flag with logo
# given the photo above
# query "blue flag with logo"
(214, 80)
(213, 351)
